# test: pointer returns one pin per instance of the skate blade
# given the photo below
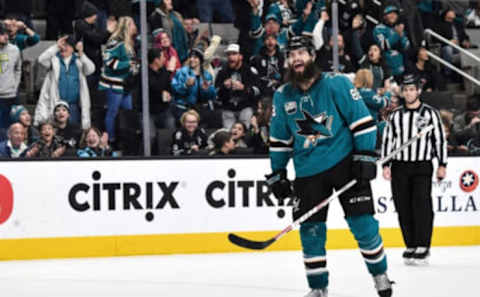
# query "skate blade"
(409, 261)
(420, 262)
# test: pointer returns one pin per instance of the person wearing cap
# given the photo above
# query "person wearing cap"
(270, 65)
(392, 39)
(66, 80)
(15, 146)
(19, 33)
(238, 88)
(272, 25)
(193, 88)
(70, 133)
(19, 114)
(281, 8)
(93, 37)
(320, 121)
(411, 171)
(10, 74)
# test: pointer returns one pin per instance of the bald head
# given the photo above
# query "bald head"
(16, 134)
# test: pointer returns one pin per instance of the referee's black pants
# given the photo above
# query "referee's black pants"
(412, 195)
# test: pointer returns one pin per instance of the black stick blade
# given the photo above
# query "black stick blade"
(249, 244)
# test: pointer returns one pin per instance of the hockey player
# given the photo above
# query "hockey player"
(411, 171)
(321, 120)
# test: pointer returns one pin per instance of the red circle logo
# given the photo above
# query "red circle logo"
(6, 199)
(468, 181)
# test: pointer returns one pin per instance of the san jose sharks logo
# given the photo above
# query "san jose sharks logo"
(314, 127)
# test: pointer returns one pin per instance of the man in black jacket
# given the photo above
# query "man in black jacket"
(455, 32)
(325, 57)
(159, 91)
(93, 37)
(238, 88)
(269, 64)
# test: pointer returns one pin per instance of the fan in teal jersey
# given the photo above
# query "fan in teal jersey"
(321, 121)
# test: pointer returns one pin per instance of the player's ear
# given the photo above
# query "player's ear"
(314, 56)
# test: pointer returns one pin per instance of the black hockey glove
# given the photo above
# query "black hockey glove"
(279, 184)
(364, 166)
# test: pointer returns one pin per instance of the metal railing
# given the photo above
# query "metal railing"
(449, 65)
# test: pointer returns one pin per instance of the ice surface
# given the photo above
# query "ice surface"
(453, 271)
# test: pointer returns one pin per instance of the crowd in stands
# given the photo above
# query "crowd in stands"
(213, 96)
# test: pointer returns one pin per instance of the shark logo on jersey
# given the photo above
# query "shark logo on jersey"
(314, 127)
(421, 122)
(291, 107)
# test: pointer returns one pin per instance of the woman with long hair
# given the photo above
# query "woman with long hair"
(119, 67)
(375, 102)
(162, 42)
(375, 62)
(95, 144)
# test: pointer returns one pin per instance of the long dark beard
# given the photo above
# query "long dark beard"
(311, 72)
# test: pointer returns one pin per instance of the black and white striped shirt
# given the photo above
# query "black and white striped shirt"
(405, 123)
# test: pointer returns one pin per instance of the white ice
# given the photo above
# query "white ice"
(453, 271)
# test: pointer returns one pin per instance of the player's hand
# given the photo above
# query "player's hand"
(441, 173)
(387, 173)
(279, 184)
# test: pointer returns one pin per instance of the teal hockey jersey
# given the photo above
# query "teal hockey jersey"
(116, 66)
(320, 127)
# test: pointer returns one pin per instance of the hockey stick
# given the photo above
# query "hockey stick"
(260, 245)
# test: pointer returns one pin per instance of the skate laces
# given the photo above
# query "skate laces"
(382, 282)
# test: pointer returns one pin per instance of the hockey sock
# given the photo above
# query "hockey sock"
(365, 230)
(313, 237)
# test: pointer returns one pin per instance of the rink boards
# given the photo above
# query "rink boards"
(137, 207)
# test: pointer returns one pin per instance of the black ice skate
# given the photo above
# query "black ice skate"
(383, 285)
(421, 256)
(318, 293)
(408, 256)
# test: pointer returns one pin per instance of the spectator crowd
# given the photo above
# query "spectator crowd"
(208, 94)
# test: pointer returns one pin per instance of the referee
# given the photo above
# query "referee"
(411, 170)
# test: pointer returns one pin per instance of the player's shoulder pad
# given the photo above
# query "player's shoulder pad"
(336, 78)
(282, 88)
